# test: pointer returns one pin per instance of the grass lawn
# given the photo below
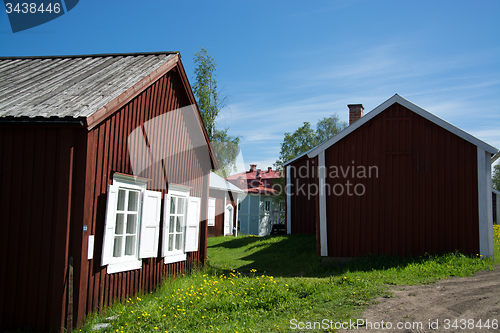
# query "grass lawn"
(269, 284)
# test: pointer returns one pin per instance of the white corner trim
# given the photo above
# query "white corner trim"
(322, 205)
(288, 201)
(486, 248)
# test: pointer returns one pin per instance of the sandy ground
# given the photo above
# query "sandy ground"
(438, 305)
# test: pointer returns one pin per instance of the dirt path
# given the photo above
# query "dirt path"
(468, 300)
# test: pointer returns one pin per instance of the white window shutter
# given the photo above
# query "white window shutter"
(150, 224)
(192, 225)
(109, 225)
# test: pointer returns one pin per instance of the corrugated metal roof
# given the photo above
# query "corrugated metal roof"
(70, 86)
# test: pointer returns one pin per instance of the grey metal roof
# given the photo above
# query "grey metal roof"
(219, 183)
(70, 86)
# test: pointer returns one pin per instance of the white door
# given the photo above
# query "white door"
(228, 220)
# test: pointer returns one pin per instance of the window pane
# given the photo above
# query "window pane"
(131, 223)
(119, 224)
(171, 225)
(130, 245)
(178, 225)
(117, 248)
(172, 205)
(133, 201)
(121, 199)
(180, 209)
(170, 242)
(178, 238)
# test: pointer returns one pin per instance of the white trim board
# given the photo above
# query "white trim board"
(322, 205)
(486, 247)
(409, 105)
(288, 202)
(300, 156)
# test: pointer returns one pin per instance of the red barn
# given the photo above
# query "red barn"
(104, 183)
(397, 181)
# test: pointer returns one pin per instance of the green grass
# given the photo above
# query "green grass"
(256, 284)
(274, 255)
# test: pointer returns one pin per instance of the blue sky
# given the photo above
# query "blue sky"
(281, 63)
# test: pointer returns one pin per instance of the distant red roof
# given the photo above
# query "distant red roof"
(255, 180)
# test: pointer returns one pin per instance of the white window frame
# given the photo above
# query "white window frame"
(267, 205)
(211, 212)
(190, 227)
(146, 229)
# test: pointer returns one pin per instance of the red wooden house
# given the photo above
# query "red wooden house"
(104, 183)
(223, 204)
(397, 181)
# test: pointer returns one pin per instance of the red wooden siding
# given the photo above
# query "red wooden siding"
(40, 170)
(304, 206)
(108, 153)
(423, 200)
(218, 229)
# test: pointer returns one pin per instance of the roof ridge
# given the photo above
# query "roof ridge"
(91, 55)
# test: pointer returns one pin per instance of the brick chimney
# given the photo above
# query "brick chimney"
(355, 112)
(253, 167)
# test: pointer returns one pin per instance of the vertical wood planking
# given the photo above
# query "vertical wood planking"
(49, 194)
(25, 217)
(110, 154)
(35, 239)
(14, 232)
(423, 200)
(7, 172)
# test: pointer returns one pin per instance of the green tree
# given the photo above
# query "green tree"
(495, 179)
(328, 127)
(210, 104)
(304, 139)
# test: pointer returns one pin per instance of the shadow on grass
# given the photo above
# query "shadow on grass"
(296, 256)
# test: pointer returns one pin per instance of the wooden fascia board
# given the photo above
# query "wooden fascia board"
(192, 100)
(100, 115)
(409, 105)
(297, 158)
